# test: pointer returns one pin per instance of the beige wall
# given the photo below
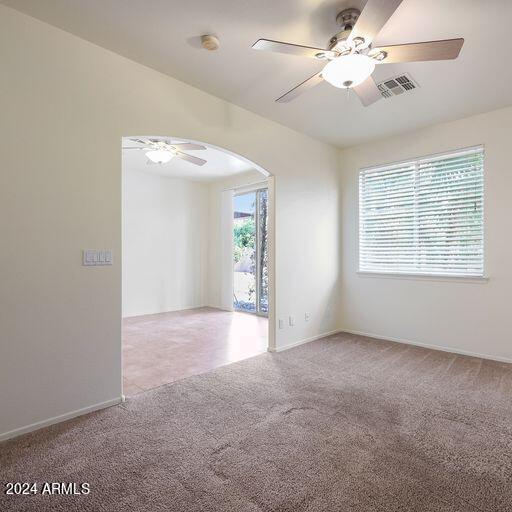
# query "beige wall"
(459, 314)
(65, 105)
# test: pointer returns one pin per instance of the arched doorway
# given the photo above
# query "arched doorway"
(198, 226)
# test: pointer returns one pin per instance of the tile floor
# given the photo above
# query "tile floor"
(162, 348)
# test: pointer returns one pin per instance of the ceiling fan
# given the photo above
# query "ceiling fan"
(160, 151)
(351, 57)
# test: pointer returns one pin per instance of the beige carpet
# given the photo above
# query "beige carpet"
(343, 424)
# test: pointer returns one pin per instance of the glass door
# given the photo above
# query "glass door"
(250, 290)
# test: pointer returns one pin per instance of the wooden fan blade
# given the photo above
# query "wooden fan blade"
(188, 146)
(373, 17)
(299, 89)
(190, 158)
(430, 50)
(293, 49)
(368, 91)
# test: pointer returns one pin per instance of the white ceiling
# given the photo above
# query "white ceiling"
(219, 163)
(163, 34)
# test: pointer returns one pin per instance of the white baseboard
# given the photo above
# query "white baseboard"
(453, 350)
(305, 340)
(57, 419)
(215, 306)
(173, 310)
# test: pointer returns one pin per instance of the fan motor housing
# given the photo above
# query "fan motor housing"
(346, 20)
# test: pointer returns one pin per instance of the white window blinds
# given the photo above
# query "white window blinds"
(423, 216)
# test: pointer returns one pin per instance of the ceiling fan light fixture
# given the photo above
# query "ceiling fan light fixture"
(348, 70)
(159, 156)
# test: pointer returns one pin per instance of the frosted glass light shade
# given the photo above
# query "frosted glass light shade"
(348, 70)
(159, 156)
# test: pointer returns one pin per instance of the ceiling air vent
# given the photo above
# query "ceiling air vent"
(397, 85)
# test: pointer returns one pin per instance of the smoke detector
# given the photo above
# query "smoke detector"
(210, 42)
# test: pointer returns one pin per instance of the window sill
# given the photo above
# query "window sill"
(423, 277)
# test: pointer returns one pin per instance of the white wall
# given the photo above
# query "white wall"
(65, 106)
(165, 242)
(461, 315)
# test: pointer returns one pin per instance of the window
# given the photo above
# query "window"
(423, 216)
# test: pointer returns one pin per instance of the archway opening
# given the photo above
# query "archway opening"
(197, 269)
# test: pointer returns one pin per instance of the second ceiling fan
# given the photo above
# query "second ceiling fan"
(161, 151)
(351, 57)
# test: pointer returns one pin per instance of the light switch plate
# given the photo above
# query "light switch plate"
(94, 258)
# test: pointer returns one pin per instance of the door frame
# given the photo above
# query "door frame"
(268, 182)
(240, 191)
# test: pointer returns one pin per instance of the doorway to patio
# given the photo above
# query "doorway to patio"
(250, 251)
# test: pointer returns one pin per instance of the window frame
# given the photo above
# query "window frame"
(424, 275)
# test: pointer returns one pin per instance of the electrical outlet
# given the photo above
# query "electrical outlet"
(306, 317)
(281, 323)
(291, 321)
